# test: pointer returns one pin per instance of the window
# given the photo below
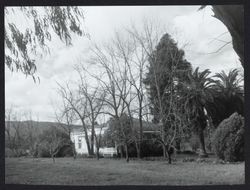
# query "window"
(79, 142)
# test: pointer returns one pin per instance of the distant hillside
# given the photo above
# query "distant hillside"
(39, 126)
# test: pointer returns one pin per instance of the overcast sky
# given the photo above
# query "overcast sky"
(184, 23)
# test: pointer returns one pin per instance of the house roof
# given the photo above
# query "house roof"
(147, 126)
(79, 128)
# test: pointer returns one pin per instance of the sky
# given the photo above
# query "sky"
(201, 34)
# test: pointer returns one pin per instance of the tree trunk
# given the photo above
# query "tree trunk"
(74, 151)
(92, 138)
(88, 145)
(141, 133)
(121, 152)
(178, 144)
(126, 150)
(170, 151)
(232, 16)
(137, 149)
(90, 151)
(53, 157)
(169, 157)
(97, 154)
(97, 151)
(164, 151)
(139, 152)
(203, 152)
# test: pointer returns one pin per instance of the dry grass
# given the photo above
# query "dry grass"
(67, 171)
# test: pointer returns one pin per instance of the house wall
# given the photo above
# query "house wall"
(78, 137)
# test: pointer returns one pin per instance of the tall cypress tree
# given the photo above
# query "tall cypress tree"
(166, 71)
(167, 67)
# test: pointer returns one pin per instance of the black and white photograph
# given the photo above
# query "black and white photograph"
(124, 95)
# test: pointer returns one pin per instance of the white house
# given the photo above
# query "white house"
(77, 136)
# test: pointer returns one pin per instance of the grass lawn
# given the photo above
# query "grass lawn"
(84, 171)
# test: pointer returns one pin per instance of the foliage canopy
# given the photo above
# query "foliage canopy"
(23, 44)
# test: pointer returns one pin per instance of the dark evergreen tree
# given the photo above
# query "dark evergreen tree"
(167, 70)
(167, 67)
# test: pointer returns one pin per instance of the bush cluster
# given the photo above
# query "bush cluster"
(148, 149)
(43, 151)
(228, 139)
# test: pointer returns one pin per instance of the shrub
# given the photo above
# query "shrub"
(52, 141)
(188, 152)
(194, 143)
(228, 139)
(9, 153)
(43, 150)
(65, 151)
(151, 149)
(188, 160)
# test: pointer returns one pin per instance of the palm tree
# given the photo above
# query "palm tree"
(229, 95)
(229, 85)
(198, 92)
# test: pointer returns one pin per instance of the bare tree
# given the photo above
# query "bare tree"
(31, 135)
(65, 118)
(78, 104)
(13, 133)
(170, 117)
(54, 139)
(121, 66)
(113, 80)
(132, 75)
(109, 81)
(122, 132)
(136, 64)
(86, 102)
(123, 63)
(98, 139)
(94, 104)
